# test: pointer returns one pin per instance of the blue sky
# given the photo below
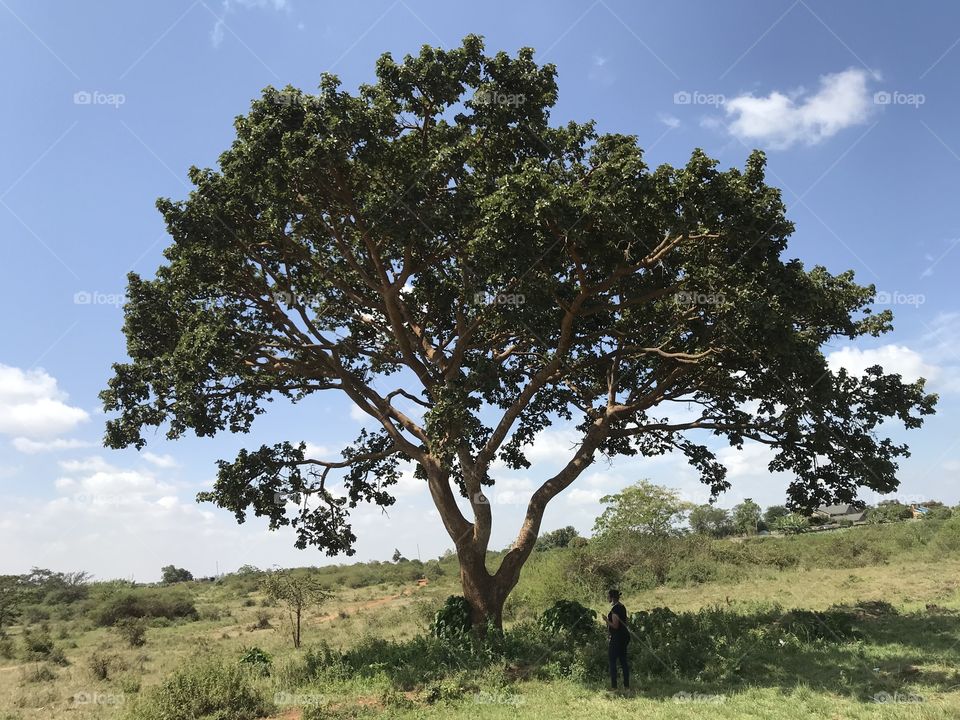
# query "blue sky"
(106, 105)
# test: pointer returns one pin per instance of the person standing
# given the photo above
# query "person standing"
(619, 639)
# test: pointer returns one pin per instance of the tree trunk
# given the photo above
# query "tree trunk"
(486, 593)
(296, 634)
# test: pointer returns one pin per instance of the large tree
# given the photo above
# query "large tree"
(467, 274)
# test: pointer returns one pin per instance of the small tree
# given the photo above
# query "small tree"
(559, 538)
(774, 513)
(642, 508)
(171, 574)
(746, 517)
(297, 592)
(710, 520)
(12, 595)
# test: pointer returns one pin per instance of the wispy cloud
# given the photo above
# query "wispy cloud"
(229, 6)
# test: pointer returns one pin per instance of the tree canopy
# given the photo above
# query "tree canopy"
(642, 508)
(468, 273)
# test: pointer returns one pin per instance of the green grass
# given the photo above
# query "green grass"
(909, 659)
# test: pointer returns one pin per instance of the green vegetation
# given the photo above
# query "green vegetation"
(850, 623)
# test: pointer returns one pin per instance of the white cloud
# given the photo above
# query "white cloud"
(160, 461)
(33, 447)
(580, 497)
(228, 6)
(781, 120)
(357, 413)
(897, 359)
(32, 406)
(670, 121)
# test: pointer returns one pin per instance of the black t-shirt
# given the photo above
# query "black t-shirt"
(619, 634)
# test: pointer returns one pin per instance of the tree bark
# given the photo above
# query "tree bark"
(486, 593)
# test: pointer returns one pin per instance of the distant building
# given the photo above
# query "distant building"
(838, 513)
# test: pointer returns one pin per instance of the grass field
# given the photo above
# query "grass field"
(902, 662)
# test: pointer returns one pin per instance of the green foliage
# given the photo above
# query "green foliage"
(559, 538)
(258, 659)
(773, 513)
(642, 508)
(791, 523)
(39, 645)
(13, 594)
(948, 537)
(133, 630)
(297, 591)
(453, 620)
(569, 617)
(745, 517)
(888, 511)
(170, 575)
(710, 520)
(207, 690)
(143, 603)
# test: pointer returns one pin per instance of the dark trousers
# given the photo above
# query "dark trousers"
(618, 651)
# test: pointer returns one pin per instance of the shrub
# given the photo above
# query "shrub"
(453, 619)
(101, 665)
(40, 646)
(143, 603)
(263, 621)
(257, 659)
(133, 630)
(7, 648)
(209, 690)
(570, 617)
(947, 538)
(38, 673)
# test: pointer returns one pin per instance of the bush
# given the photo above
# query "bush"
(209, 690)
(40, 646)
(38, 673)
(453, 619)
(947, 538)
(101, 665)
(257, 659)
(143, 603)
(570, 617)
(7, 648)
(133, 630)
